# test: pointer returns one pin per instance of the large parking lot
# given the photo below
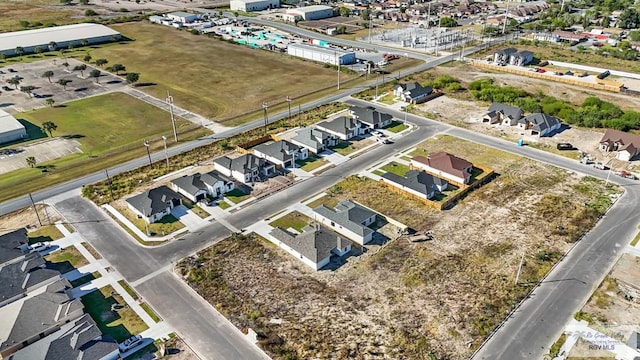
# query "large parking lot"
(81, 85)
(14, 158)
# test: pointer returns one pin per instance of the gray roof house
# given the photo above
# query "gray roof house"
(20, 277)
(521, 58)
(282, 153)
(314, 246)
(348, 218)
(503, 114)
(152, 205)
(27, 321)
(80, 339)
(315, 140)
(503, 56)
(343, 127)
(370, 117)
(417, 183)
(13, 246)
(412, 92)
(245, 168)
(539, 124)
(197, 186)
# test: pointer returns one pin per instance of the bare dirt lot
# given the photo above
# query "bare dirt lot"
(26, 217)
(409, 300)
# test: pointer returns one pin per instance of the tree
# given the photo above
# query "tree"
(49, 126)
(116, 68)
(365, 14)
(66, 65)
(70, 46)
(15, 81)
(90, 12)
(101, 62)
(64, 83)
(628, 19)
(84, 2)
(95, 73)
(341, 29)
(345, 12)
(27, 89)
(50, 102)
(24, 23)
(84, 42)
(37, 50)
(53, 46)
(19, 51)
(635, 35)
(80, 68)
(448, 22)
(31, 161)
(133, 78)
(87, 58)
(48, 74)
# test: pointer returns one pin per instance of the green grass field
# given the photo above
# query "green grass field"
(396, 127)
(294, 220)
(236, 196)
(33, 11)
(396, 168)
(311, 163)
(110, 129)
(211, 77)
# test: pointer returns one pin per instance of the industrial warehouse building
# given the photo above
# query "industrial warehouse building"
(10, 128)
(322, 54)
(253, 5)
(314, 12)
(62, 36)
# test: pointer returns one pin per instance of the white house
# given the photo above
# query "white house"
(196, 187)
(314, 247)
(503, 114)
(349, 219)
(282, 153)
(444, 166)
(246, 168)
(315, 140)
(412, 92)
(182, 17)
(154, 204)
(539, 124)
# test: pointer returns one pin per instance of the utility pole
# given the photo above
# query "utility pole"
(504, 24)
(44, 206)
(266, 118)
(429, 16)
(289, 101)
(146, 145)
(371, 25)
(299, 117)
(110, 186)
(166, 154)
(35, 209)
(173, 119)
(338, 61)
(519, 268)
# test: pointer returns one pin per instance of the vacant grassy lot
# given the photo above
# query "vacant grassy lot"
(410, 301)
(34, 11)
(214, 75)
(66, 259)
(111, 129)
(122, 323)
(294, 220)
(45, 233)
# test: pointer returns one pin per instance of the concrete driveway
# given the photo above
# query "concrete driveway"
(190, 220)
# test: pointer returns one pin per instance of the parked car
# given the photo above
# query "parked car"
(383, 140)
(37, 247)
(377, 133)
(6, 88)
(564, 146)
(130, 343)
(600, 166)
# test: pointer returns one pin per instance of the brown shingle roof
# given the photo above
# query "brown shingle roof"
(446, 162)
(631, 142)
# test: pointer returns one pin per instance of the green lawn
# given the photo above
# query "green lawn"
(110, 129)
(164, 226)
(128, 289)
(294, 220)
(344, 148)
(120, 324)
(223, 205)
(311, 163)
(150, 312)
(85, 279)
(396, 168)
(66, 259)
(635, 240)
(396, 126)
(387, 99)
(326, 200)
(236, 196)
(45, 233)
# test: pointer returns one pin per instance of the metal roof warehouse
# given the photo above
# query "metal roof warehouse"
(61, 35)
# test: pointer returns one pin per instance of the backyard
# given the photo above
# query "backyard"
(120, 323)
(293, 220)
(409, 300)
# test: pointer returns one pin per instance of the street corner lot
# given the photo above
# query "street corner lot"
(456, 288)
(42, 151)
(79, 87)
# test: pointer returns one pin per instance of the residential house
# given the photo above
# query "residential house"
(521, 58)
(349, 219)
(152, 205)
(503, 56)
(314, 246)
(315, 140)
(539, 124)
(13, 246)
(196, 187)
(445, 166)
(370, 118)
(281, 153)
(246, 168)
(76, 340)
(417, 183)
(343, 127)
(502, 114)
(27, 321)
(412, 92)
(627, 145)
(23, 276)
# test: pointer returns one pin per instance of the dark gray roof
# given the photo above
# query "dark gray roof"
(507, 110)
(42, 312)
(340, 125)
(419, 181)
(541, 121)
(153, 201)
(282, 150)
(11, 243)
(16, 278)
(507, 51)
(314, 243)
(370, 115)
(416, 90)
(305, 136)
(196, 182)
(244, 164)
(523, 53)
(348, 214)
